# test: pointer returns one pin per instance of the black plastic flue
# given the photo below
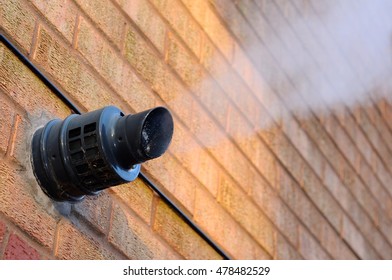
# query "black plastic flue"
(87, 153)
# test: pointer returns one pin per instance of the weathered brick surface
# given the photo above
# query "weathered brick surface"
(138, 196)
(143, 15)
(69, 237)
(19, 83)
(181, 22)
(310, 248)
(3, 230)
(218, 223)
(108, 18)
(6, 122)
(62, 14)
(180, 236)
(262, 183)
(15, 18)
(247, 214)
(19, 249)
(59, 61)
(33, 216)
(134, 238)
(96, 210)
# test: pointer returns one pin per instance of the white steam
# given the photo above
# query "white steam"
(340, 56)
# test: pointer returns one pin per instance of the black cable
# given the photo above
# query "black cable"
(143, 177)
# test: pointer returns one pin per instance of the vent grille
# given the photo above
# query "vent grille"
(87, 159)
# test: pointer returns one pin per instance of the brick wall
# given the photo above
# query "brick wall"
(315, 187)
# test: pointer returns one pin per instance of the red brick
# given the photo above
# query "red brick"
(137, 196)
(107, 17)
(61, 13)
(180, 236)
(19, 249)
(96, 210)
(181, 22)
(142, 13)
(212, 218)
(72, 244)
(6, 122)
(134, 238)
(35, 215)
(19, 21)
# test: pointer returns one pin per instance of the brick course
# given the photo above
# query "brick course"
(262, 181)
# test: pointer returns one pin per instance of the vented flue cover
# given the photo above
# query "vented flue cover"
(87, 153)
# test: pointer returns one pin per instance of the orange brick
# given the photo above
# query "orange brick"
(142, 13)
(61, 13)
(134, 238)
(214, 99)
(183, 63)
(277, 211)
(211, 217)
(195, 158)
(137, 196)
(67, 68)
(170, 174)
(107, 17)
(197, 9)
(70, 238)
(247, 214)
(146, 62)
(35, 217)
(6, 122)
(20, 139)
(19, 21)
(99, 53)
(181, 22)
(240, 169)
(180, 236)
(135, 92)
(217, 32)
(14, 80)
(96, 210)
(3, 231)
